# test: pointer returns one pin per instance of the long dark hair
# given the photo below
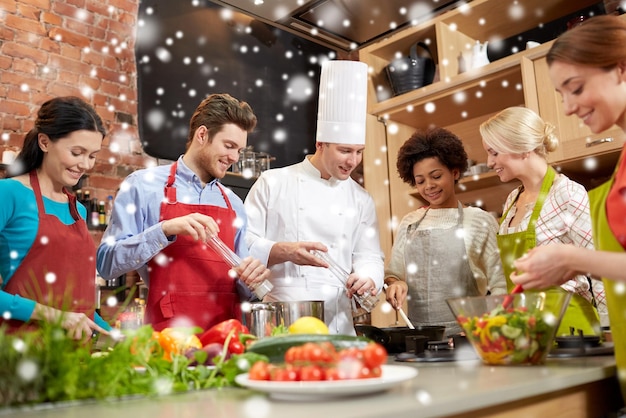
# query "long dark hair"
(57, 118)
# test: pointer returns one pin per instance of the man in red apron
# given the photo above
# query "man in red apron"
(163, 216)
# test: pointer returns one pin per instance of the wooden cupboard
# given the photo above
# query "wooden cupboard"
(460, 102)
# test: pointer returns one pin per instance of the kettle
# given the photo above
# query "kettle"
(479, 55)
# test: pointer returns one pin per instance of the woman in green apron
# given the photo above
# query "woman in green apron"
(588, 68)
(442, 250)
(547, 207)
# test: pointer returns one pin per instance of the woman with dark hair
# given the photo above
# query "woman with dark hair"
(442, 250)
(47, 256)
(588, 68)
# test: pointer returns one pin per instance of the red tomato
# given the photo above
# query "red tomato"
(259, 371)
(283, 374)
(376, 372)
(311, 373)
(351, 353)
(374, 355)
(332, 373)
(290, 355)
(364, 373)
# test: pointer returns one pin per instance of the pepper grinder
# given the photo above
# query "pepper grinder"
(234, 260)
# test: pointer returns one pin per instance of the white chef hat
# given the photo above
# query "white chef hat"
(342, 105)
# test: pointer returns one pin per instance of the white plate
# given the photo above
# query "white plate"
(391, 376)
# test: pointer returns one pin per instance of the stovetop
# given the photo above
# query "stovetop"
(466, 352)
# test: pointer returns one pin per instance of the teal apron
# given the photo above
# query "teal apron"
(604, 240)
(580, 314)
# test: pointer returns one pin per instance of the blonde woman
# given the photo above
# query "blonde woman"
(548, 207)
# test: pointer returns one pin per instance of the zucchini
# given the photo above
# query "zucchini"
(276, 347)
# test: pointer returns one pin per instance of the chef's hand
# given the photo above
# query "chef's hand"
(198, 226)
(252, 272)
(543, 266)
(77, 325)
(360, 285)
(299, 253)
(396, 292)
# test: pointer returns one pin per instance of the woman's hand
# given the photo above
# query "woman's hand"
(543, 267)
(78, 325)
(396, 293)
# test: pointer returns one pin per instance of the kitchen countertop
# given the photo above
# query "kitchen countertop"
(440, 389)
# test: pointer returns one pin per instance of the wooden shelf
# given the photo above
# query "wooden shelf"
(460, 102)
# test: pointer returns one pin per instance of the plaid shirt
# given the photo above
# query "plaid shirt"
(564, 218)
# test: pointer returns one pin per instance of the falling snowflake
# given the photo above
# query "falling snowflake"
(50, 277)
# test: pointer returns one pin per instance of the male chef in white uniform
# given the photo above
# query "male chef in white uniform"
(316, 205)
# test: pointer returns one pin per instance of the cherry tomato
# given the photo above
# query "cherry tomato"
(288, 373)
(311, 373)
(365, 373)
(332, 373)
(259, 371)
(351, 353)
(376, 372)
(374, 355)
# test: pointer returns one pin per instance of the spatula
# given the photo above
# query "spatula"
(402, 314)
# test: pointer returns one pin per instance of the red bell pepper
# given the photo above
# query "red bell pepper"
(219, 333)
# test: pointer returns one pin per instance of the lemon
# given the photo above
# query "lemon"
(308, 325)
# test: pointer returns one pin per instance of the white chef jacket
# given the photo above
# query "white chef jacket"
(295, 203)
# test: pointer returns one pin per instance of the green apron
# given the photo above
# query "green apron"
(604, 240)
(580, 314)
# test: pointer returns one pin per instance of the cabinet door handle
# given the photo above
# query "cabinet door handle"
(599, 141)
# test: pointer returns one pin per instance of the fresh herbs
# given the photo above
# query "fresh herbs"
(47, 366)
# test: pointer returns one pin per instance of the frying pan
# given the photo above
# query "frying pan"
(393, 338)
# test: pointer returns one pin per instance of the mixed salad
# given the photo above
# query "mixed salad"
(509, 335)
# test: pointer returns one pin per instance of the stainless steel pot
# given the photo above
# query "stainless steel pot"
(288, 312)
(262, 317)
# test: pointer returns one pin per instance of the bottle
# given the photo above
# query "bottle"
(95, 216)
(130, 318)
(141, 310)
(87, 201)
(109, 209)
(102, 220)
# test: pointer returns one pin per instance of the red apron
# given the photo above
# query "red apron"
(60, 267)
(189, 282)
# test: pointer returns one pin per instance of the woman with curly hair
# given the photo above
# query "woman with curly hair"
(444, 249)
(548, 207)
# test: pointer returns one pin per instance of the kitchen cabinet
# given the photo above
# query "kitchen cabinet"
(460, 102)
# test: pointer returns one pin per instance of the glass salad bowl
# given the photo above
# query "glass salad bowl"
(514, 329)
